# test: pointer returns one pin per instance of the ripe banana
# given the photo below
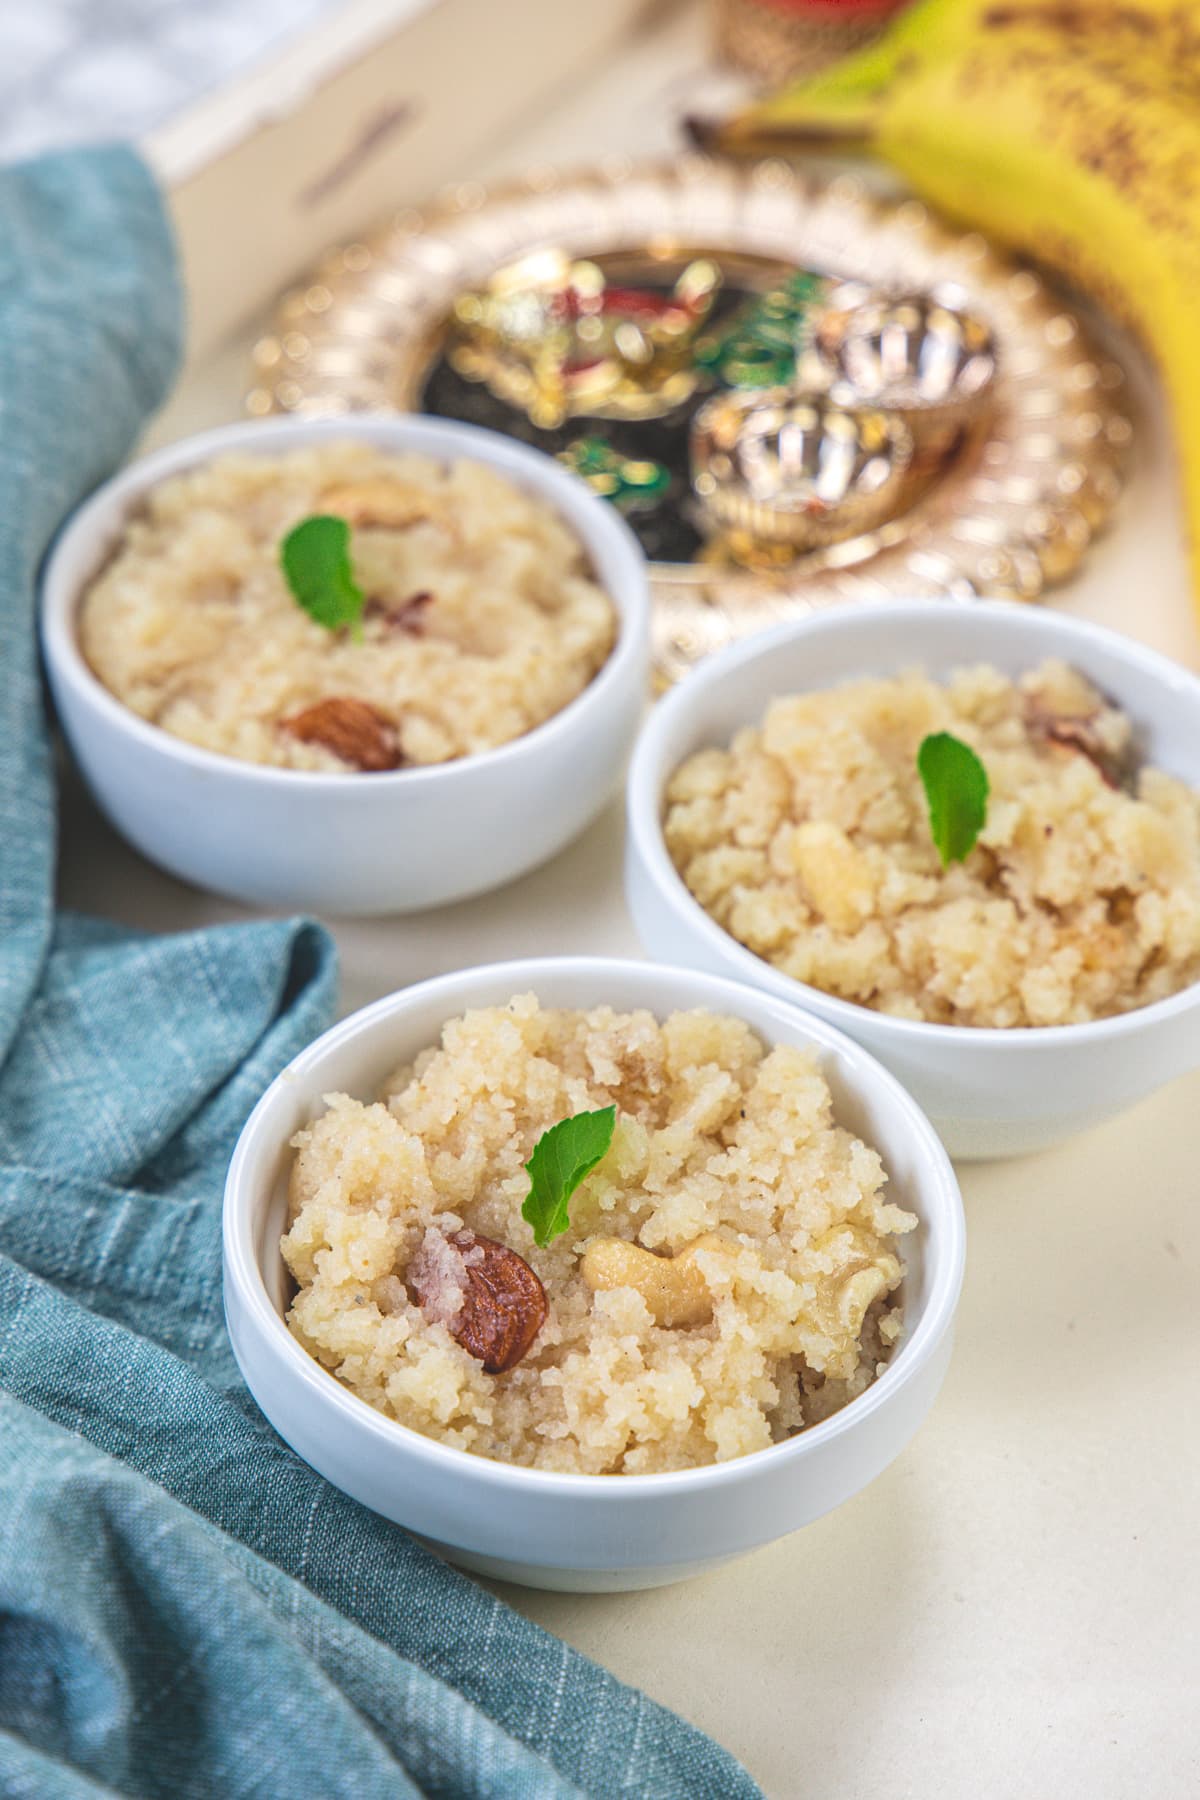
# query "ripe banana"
(1069, 131)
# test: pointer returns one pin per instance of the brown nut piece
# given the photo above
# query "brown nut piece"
(1077, 731)
(353, 730)
(673, 1287)
(407, 616)
(379, 501)
(487, 1297)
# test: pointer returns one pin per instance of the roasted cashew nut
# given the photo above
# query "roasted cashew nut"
(860, 1291)
(378, 500)
(673, 1287)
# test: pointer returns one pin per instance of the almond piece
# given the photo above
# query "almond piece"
(1077, 731)
(353, 730)
(408, 616)
(497, 1304)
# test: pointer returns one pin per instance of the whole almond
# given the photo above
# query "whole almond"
(352, 730)
(503, 1303)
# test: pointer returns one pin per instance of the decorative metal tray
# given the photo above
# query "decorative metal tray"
(1009, 514)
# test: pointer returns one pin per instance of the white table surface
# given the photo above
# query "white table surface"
(1013, 1609)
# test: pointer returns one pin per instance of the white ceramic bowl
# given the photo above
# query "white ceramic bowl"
(351, 843)
(989, 1092)
(582, 1531)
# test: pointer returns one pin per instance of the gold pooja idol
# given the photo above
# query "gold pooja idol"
(798, 394)
(559, 340)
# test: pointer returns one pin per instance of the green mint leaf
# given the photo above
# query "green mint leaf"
(561, 1159)
(956, 790)
(315, 558)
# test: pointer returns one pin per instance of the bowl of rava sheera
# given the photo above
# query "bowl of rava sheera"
(358, 666)
(593, 1272)
(970, 836)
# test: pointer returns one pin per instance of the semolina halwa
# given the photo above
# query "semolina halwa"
(482, 618)
(729, 1275)
(808, 840)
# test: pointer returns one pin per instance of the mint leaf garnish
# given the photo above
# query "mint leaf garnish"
(956, 790)
(561, 1158)
(315, 558)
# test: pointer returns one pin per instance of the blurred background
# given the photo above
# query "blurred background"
(76, 70)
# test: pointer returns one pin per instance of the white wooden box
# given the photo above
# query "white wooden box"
(375, 106)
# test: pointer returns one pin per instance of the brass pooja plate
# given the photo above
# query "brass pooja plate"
(1011, 512)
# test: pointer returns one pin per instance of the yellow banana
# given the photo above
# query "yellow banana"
(1070, 132)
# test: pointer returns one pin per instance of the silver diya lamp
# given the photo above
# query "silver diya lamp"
(923, 355)
(782, 471)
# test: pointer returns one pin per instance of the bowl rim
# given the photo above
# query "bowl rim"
(947, 1235)
(644, 822)
(531, 469)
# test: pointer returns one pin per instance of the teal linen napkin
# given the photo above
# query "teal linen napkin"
(185, 1608)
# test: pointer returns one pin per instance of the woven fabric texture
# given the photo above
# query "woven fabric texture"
(186, 1609)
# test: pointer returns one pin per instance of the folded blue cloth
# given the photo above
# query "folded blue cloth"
(186, 1609)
